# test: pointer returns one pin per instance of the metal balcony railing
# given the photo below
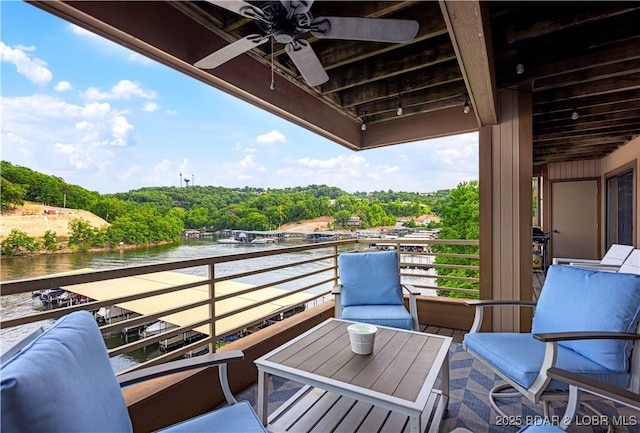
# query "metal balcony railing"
(288, 279)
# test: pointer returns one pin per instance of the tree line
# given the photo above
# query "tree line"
(156, 214)
(159, 214)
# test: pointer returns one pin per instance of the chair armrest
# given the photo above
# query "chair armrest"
(336, 292)
(413, 304)
(165, 369)
(551, 340)
(596, 387)
(411, 289)
(566, 260)
(336, 289)
(584, 335)
(480, 304)
(497, 302)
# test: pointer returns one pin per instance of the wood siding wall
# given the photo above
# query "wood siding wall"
(505, 229)
(574, 170)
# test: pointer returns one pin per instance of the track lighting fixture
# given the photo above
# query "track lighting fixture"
(574, 114)
(399, 111)
(363, 127)
(467, 108)
(519, 69)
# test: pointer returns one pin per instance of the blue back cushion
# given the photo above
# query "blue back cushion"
(371, 278)
(63, 382)
(574, 299)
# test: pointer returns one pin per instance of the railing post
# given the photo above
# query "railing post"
(335, 264)
(212, 307)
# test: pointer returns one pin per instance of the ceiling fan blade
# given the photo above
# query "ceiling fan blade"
(307, 62)
(232, 50)
(241, 8)
(365, 29)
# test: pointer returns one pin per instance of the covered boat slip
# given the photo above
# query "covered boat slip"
(127, 286)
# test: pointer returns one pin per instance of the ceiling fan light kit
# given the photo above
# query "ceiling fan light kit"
(287, 20)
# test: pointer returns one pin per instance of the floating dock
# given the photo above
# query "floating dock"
(127, 286)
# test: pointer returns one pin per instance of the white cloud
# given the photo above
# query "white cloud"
(139, 58)
(65, 135)
(125, 89)
(63, 86)
(150, 107)
(341, 161)
(77, 30)
(271, 138)
(171, 112)
(34, 69)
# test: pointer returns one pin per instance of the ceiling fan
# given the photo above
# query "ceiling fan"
(285, 20)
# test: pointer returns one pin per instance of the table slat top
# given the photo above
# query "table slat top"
(399, 366)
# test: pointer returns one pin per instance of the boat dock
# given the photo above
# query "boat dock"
(113, 289)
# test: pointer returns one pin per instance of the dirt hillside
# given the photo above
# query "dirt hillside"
(319, 224)
(32, 219)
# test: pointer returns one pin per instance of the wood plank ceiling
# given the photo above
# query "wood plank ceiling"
(574, 56)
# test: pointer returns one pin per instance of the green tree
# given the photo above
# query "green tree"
(12, 194)
(18, 242)
(50, 240)
(460, 220)
(81, 234)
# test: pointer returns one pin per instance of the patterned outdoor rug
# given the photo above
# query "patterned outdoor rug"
(470, 382)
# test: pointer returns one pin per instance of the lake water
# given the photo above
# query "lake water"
(14, 268)
(35, 266)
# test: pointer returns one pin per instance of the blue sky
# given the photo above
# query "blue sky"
(98, 115)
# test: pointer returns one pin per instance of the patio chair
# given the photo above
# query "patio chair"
(62, 381)
(614, 257)
(578, 385)
(370, 291)
(585, 322)
(632, 264)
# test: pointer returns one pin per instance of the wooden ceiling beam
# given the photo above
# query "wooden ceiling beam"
(587, 112)
(422, 126)
(537, 20)
(594, 88)
(386, 108)
(390, 64)
(470, 33)
(414, 81)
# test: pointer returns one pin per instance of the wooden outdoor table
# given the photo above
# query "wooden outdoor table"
(392, 389)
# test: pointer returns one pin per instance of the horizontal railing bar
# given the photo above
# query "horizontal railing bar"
(417, 241)
(59, 312)
(271, 269)
(30, 284)
(128, 347)
(149, 317)
(287, 250)
(169, 356)
(447, 289)
(272, 283)
(275, 298)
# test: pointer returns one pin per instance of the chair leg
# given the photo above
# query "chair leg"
(496, 392)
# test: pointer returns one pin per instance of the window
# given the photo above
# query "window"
(620, 209)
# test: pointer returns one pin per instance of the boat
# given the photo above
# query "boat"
(240, 238)
(166, 344)
(56, 297)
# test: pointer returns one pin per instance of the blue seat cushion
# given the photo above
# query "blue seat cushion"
(63, 382)
(575, 299)
(237, 418)
(370, 278)
(519, 357)
(394, 316)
